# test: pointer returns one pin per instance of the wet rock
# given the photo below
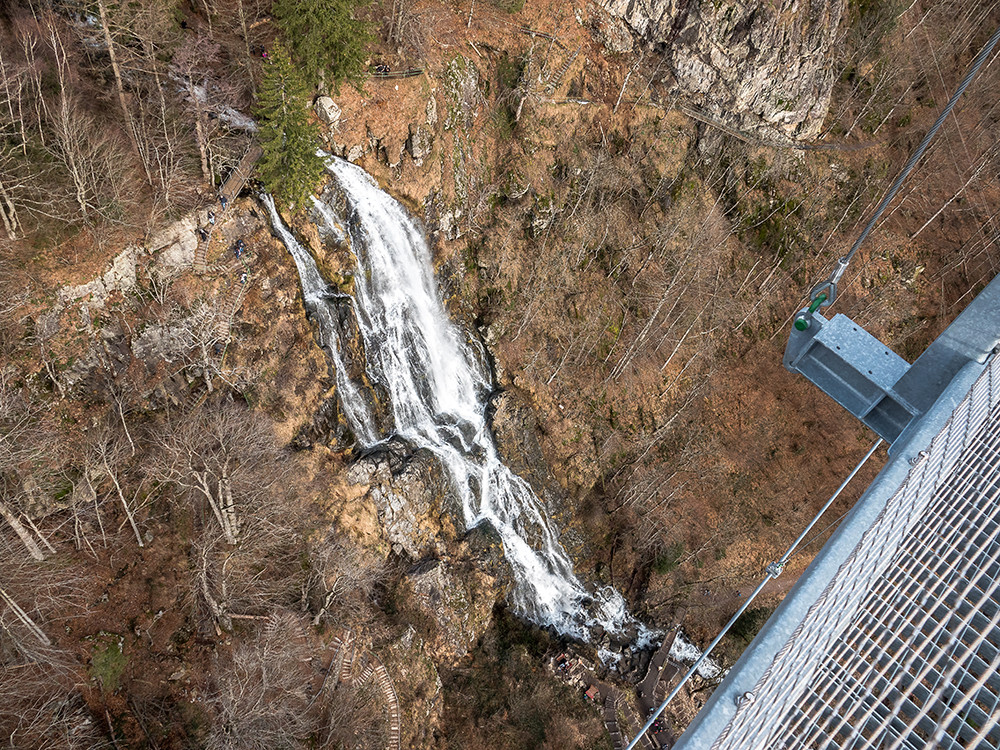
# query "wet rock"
(754, 66)
(329, 425)
(482, 543)
(642, 663)
(355, 152)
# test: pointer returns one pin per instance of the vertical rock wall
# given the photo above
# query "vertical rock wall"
(755, 66)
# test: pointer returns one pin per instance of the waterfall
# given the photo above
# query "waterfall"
(437, 387)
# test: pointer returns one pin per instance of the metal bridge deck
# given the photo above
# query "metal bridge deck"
(891, 638)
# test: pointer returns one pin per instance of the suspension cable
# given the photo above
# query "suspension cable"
(828, 287)
(773, 571)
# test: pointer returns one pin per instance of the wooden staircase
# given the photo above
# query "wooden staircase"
(554, 82)
(230, 307)
(373, 670)
(201, 255)
(610, 715)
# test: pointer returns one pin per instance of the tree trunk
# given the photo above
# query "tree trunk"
(23, 617)
(120, 88)
(121, 496)
(29, 541)
(65, 126)
(8, 213)
(222, 515)
(248, 65)
(199, 131)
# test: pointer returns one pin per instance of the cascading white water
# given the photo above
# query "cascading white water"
(316, 293)
(437, 389)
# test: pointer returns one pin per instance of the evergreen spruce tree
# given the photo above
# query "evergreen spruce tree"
(326, 37)
(289, 167)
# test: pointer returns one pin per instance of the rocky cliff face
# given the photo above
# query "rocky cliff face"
(755, 66)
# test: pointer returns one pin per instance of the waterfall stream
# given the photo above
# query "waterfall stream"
(437, 387)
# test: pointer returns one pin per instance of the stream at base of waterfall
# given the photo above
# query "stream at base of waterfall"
(437, 386)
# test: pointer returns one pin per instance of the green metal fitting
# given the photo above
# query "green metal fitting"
(820, 299)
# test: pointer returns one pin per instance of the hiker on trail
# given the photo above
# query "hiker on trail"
(211, 218)
(240, 247)
(223, 201)
(202, 234)
(243, 277)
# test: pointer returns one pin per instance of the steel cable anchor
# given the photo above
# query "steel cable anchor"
(822, 295)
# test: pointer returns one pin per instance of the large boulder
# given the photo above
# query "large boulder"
(754, 66)
(408, 491)
(355, 152)
(328, 111)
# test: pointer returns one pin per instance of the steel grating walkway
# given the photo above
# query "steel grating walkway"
(902, 648)
(898, 645)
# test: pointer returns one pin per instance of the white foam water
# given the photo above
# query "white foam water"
(438, 388)
(685, 652)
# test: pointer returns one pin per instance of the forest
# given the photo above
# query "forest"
(624, 207)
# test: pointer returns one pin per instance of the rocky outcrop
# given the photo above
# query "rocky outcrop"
(755, 66)
(120, 277)
(388, 147)
(459, 604)
(407, 490)
(354, 153)
(419, 143)
(176, 244)
(515, 431)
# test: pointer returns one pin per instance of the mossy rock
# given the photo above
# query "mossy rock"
(107, 660)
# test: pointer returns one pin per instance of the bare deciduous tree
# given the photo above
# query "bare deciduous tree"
(225, 459)
(39, 706)
(271, 694)
(252, 578)
(261, 698)
(26, 450)
(32, 594)
(91, 154)
(196, 65)
(342, 578)
(108, 450)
